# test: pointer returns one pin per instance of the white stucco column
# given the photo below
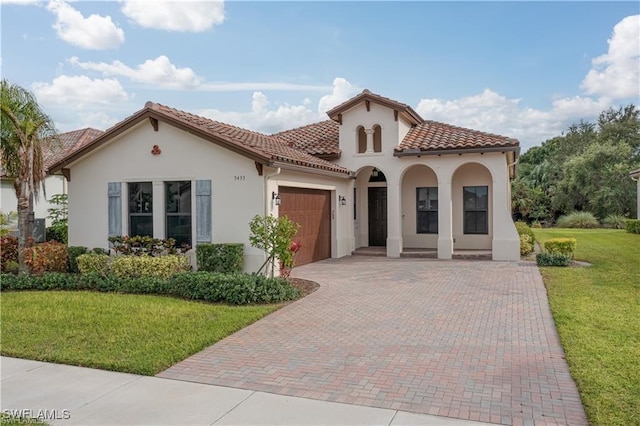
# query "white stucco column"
(369, 133)
(506, 242)
(394, 218)
(445, 219)
(158, 210)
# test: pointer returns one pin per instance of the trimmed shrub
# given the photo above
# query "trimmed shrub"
(632, 226)
(224, 258)
(614, 221)
(91, 263)
(148, 266)
(207, 286)
(72, 262)
(536, 225)
(527, 238)
(563, 246)
(57, 233)
(578, 220)
(8, 252)
(552, 259)
(144, 245)
(99, 250)
(46, 257)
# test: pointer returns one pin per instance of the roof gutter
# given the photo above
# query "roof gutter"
(305, 169)
(419, 153)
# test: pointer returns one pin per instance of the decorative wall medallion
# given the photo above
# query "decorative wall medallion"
(156, 150)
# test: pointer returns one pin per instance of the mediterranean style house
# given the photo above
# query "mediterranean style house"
(374, 174)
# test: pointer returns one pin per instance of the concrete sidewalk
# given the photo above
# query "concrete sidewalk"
(67, 395)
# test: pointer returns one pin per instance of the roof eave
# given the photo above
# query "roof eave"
(307, 169)
(459, 151)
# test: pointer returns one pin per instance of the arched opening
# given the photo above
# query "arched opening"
(361, 140)
(377, 138)
(370, 214)
(419, 203)
(472, 194)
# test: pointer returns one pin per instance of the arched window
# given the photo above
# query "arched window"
(377, 138)
(362, 140)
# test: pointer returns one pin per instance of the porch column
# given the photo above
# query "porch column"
(369, 133)
(394, 218)
(506, 242)
(445, 220)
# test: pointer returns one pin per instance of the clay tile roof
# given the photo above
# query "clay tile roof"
(434, 136)
(315, 139)
(407, 112)
(65, 144)
(270, 147)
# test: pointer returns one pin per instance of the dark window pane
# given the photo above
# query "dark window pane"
(179, 228)
(433, 222)
(475, 222)
(427, 210)
(140, 197)
(178, 197)
(141, 225)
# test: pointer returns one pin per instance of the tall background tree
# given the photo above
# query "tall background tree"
(25, 130)
(585, 169)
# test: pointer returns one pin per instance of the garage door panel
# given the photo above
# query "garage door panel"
(311, 209)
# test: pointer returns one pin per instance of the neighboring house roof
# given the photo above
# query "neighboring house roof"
(434, 136)
(262, 148)
(367, 96)
(65, 144)
(320, 139)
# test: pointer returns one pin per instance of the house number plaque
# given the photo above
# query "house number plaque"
(238, 178)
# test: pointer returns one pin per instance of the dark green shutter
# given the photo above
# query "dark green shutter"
(203, 211)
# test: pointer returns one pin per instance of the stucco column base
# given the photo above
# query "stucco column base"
(394, 247)
(445, 248)
(505, 249)
(345, 246)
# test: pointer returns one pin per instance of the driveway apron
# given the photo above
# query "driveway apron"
(472, 340)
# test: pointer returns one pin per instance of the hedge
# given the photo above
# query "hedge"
(563, 246)
(552, 259)
(148, 266)
(633, 226)
(527, 238)
(227, 257)
(235, 289)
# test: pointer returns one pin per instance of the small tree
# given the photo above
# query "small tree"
(273, 235)
(58, 216)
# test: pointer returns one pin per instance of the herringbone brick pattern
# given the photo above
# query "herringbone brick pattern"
(464, 339)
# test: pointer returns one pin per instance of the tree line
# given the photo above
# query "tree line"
(585, 169)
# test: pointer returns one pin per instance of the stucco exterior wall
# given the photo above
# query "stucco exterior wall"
(53, 185)
(237, 190)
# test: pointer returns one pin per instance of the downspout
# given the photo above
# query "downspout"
(266, 191)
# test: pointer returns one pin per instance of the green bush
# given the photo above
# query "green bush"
(633, 226)
(527, 238)
(578, 220)
(140, 245)
(72, 261)
(536, 225)
(207, 286)
(92, 263)
(563, 246)
(50, 256)
(614, 221)
(552, 259)
(148, 266)
(99, 250)
(224, 258)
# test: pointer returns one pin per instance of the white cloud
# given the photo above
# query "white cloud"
(616, 74)
(182, 16)
(263, 119)
(159, 71)
(342, 90)
(77, 92)
(495, 113)
(20, 2)
(94, 32)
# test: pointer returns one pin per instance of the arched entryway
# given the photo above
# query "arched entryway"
(472, 213)
(370, 208)
(419, 203)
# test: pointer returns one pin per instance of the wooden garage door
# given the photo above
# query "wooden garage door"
(311, 208)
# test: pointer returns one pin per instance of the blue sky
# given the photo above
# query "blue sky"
(521, 69)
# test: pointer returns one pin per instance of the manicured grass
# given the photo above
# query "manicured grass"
(120, 332)
(597, 313)
(19, 421)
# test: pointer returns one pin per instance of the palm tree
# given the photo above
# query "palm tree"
(25, 130)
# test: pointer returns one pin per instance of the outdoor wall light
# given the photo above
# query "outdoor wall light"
(343, 200)
(276, 198)
(374, 172)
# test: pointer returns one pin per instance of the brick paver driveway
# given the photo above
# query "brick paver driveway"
(466, 339)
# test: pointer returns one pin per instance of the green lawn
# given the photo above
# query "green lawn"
(121, 332)
(19, 421)
(597, 313)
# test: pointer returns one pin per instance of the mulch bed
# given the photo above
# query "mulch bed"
(306, 287)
